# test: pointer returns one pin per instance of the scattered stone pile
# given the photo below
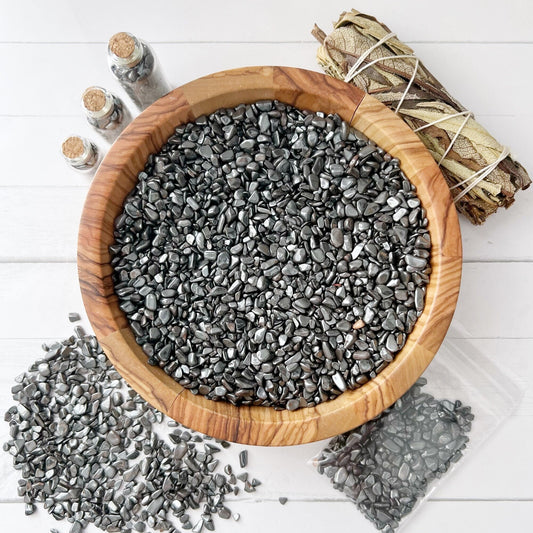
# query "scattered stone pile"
(87, 447)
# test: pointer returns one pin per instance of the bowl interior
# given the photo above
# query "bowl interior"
(117, 176)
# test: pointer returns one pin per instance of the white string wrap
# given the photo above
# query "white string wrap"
(480, 175)
(467, 114)
(351, 73)
(358, 67)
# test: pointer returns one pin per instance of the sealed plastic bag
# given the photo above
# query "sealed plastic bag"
(389, 465)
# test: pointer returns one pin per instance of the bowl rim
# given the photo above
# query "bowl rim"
(118, 173)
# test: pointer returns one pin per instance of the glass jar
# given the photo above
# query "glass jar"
(80, 153)
(105, 112)
(134, 65)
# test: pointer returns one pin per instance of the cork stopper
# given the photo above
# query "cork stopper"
(73, 147)
(94, 99)
(122, 44)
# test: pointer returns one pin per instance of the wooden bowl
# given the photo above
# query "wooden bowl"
(116, 178)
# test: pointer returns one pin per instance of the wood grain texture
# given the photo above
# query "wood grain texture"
(276, 20)
(116, 177)
(265, 516)
(293, 478)
(466, 68)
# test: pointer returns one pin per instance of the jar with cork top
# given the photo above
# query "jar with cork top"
(134, 65)
(105, 112)
(80, 153)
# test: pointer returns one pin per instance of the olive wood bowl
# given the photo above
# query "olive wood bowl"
(117, 176)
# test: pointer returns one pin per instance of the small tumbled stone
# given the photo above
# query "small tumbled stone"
(243, 458)
(337, 238)
(299, 255)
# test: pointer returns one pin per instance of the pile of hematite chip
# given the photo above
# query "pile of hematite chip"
(271, 256)
(87, 447)
(386, 465)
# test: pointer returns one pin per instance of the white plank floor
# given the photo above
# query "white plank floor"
(481, 50)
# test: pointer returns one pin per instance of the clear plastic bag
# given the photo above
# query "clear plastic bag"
(392, 464)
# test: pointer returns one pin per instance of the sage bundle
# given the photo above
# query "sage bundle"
(480, 172)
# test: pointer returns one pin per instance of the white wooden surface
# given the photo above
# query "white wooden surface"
(481, 50)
